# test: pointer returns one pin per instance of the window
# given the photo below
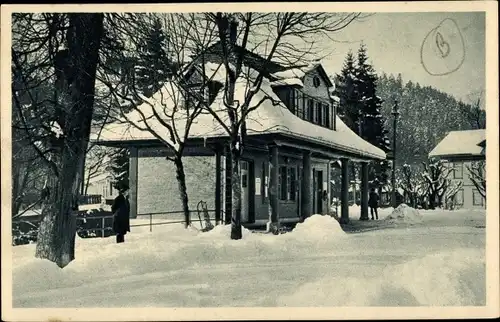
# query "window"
(327, 116)
(293, 184)
(319, 113)
(283, 183)
(459, 198)
(310, 110)
(316, 81)
(477, 199)
(306, 108)
(458, 170)
(298, 103)
(288, 183)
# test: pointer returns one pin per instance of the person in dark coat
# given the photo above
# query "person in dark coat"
(121, 215)
(373, 203)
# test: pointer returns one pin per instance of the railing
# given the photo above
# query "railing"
(101, 224)
(105, 223)
(90, 199)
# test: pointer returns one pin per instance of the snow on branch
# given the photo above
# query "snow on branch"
(477, 173)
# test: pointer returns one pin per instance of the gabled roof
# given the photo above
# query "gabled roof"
(258, 62)
(271, 117)
(460, 144)
(318, 66)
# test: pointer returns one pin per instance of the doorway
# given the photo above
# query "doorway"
(247, 178)
(317, 191)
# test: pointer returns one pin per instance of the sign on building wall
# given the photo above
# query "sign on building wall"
(257, 186)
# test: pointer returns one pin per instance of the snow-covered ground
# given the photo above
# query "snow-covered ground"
(439, 261)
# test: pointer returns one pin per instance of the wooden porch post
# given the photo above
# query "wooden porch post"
(218, 185)
(273, 224)
(132, 179)
(344, 199)
(364, 191)
(306, 205)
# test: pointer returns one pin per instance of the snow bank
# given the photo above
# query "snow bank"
(317, 229)
(309, 266)
(224, 232)
(440, 279)
(405, 213)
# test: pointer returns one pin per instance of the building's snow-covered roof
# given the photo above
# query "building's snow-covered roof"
(460, 143)
(100, 177)
(271, 116)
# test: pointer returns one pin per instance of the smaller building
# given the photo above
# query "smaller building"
(460, 149)
(102, 185)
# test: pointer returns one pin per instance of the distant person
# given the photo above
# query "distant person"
(373, 203)
(121, 215)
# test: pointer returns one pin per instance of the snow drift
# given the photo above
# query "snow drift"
(316, 264)
(441, 279)
(318, 229)
(406, 214)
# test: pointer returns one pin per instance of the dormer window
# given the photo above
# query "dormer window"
(307, 107)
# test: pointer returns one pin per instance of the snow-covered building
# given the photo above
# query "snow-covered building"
(295, 130)
(459, 149)
(102, 184)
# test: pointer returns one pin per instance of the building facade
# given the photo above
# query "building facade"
(293, 139)
(462, 151)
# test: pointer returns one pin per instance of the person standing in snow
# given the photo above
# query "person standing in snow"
(121, 215)
(373, 203)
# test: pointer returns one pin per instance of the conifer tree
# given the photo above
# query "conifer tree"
(152, 68)
(119, 167)
(372, 121)
(347, 92)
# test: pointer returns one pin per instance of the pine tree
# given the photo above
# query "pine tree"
(373, 123)
(348, 110)
(119, 167)
(152, 68)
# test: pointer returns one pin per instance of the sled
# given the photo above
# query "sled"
(202, 209)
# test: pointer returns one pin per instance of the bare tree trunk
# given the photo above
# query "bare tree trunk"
(17, 188)
(56, 235)
(181, 181)
(236, 192)
(432, 200)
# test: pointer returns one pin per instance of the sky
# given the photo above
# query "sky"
(394, 42)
